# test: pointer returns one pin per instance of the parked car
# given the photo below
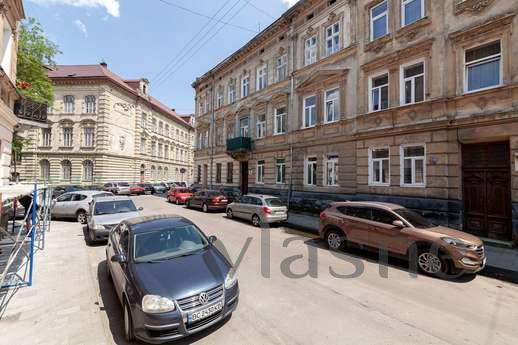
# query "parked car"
(438, 250)
(260, 209)
(106, 213)
(159, 188)
(148, 188)
(180, 184)
(118, 188)
(195, 187)
(179, 195)
(75, 204)
(60, 190)
(169, 277)
(208, 200)
(230, 193)
(138, 190)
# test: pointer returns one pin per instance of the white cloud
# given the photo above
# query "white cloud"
(289, 3)
(81, 26)
(111, 6)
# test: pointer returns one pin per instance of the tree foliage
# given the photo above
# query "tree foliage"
(35, 55)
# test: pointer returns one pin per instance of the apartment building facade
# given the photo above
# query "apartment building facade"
(11, 12)
(413, 102)
(104, 128)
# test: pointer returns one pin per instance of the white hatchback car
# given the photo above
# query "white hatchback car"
(260, 209)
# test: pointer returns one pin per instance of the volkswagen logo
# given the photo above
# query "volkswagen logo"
(203, 298)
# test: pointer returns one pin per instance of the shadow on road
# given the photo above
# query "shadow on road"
(373, 256)
(113, 309)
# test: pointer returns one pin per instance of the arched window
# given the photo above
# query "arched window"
(66, 170)
(88, 170)
(45, 170)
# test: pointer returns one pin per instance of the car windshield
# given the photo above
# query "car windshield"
(273, 202)
(113, 207)
(170, 243)
(415, 219)
(213, 194)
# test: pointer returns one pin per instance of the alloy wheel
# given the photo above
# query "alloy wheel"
(334, 241)
(430, 263)
(256, 221)
(229, 213)
(81, 217)
(177, 202)
(205, 208)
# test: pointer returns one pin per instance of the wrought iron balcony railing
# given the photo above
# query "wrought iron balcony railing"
(239, 145)
(30, 110)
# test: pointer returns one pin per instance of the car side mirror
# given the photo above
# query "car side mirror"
(120, 258)
(141, 208)
(398, 224)
(212, 239)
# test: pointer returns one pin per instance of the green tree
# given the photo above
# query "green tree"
(35, 55)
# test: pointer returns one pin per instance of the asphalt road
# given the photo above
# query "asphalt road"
(294, 291)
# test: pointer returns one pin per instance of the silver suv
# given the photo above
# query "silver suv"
(75, 204)
(107, 213)
(260, 209)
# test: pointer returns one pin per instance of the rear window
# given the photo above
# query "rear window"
(213, 194)
(183, 190)
(124, 184)
(273, 202)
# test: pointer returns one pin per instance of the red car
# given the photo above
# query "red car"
(138, 190)
(178, 195)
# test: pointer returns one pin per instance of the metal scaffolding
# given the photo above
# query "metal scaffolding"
(21, 239)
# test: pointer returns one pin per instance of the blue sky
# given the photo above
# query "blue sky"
(142, 38)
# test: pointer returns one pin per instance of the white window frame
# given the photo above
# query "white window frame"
(220, 98)
(481, 61)
(68, 139)
(336, 117)
(281, 166)
(259, 172)
(69, 107)
(334, 49)
(281, 68)
(403, 80)
(402, 166)
(90, 104)
(304, 107)
(261, 77)
(242, 128)
(245, 86)
(88, 170)
(260, 127)
(310, 52)
(331, 159)
(314, 161)
(371, 88)
(66, 169)
(283, 117)
(89, 138)
(373, 19)
(143, 145)
(231, 93)
(380, 160)
(403, 17)
(46, 137)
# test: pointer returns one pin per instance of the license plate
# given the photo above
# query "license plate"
(223, 200)
(205, 313)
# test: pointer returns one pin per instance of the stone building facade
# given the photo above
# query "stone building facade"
(103, 128)
(11, 12)
(407, 101)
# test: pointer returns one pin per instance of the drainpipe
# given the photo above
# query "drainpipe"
(290, 110)
(212, 136)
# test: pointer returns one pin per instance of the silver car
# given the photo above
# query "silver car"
(260, 209)
(75, 204)
(106, 213)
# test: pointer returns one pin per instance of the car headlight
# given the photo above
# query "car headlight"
(156, 304)
(231, 279)
(458, 243)
(99, 227)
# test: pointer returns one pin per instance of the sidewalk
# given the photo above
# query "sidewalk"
(60, 308)
(502, 262)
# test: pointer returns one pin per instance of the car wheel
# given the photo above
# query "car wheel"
(81, 217)
(205, 208)
(188, 204)
(177, 202)
(128, 324)
(256, 221)
(230, 214)
(431, 263)
(335, 240)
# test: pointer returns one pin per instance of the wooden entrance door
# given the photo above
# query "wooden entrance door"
(243, 178)
(487, 190)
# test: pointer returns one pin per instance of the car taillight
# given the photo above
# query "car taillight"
(266, 210)
(323, 214)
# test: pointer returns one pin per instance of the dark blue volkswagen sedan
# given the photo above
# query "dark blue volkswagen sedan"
(171, 280)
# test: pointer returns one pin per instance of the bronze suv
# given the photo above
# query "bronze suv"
(437, 250)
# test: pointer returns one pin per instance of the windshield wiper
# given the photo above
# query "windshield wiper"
(176, 256)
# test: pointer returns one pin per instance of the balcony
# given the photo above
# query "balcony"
(31, 113)
(239, 147)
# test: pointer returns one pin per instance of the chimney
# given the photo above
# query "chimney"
(173, 109)
(104, 64)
